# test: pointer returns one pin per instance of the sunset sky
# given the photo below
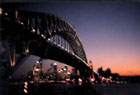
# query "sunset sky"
(110, 32)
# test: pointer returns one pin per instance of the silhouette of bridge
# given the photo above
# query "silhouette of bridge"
(44, 35)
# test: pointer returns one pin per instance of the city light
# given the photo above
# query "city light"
(22, 23)
(33, 30)
(49, 39)
(25, 87)
(0, 11)
(6, 14)
(12, 62)
(37, 62)
(37, 70)
(64, 69)
(12, 59)
(92, 79)
(43, 36)
(27, 50)
(25, 90)
(54, 64)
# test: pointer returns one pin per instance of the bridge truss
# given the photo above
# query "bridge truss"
(44, 35)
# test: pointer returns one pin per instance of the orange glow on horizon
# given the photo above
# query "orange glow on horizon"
(123, 66)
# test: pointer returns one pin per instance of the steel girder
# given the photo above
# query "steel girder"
(48, 25)
(50, 21)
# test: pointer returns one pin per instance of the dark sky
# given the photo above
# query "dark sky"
(109, 31)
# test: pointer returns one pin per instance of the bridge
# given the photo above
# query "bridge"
(45, 35)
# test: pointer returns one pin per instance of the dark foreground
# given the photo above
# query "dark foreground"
(51, 89)
(118, 89)
(63, 89)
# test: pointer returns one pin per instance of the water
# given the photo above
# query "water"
(118, 89)
(71, 89)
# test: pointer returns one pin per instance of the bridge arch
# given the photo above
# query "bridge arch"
(37, 28)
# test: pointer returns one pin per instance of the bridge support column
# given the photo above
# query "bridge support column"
(86, 78)
(4, 70)
(77, 77)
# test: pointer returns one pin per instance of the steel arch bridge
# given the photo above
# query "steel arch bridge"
(33, 32)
